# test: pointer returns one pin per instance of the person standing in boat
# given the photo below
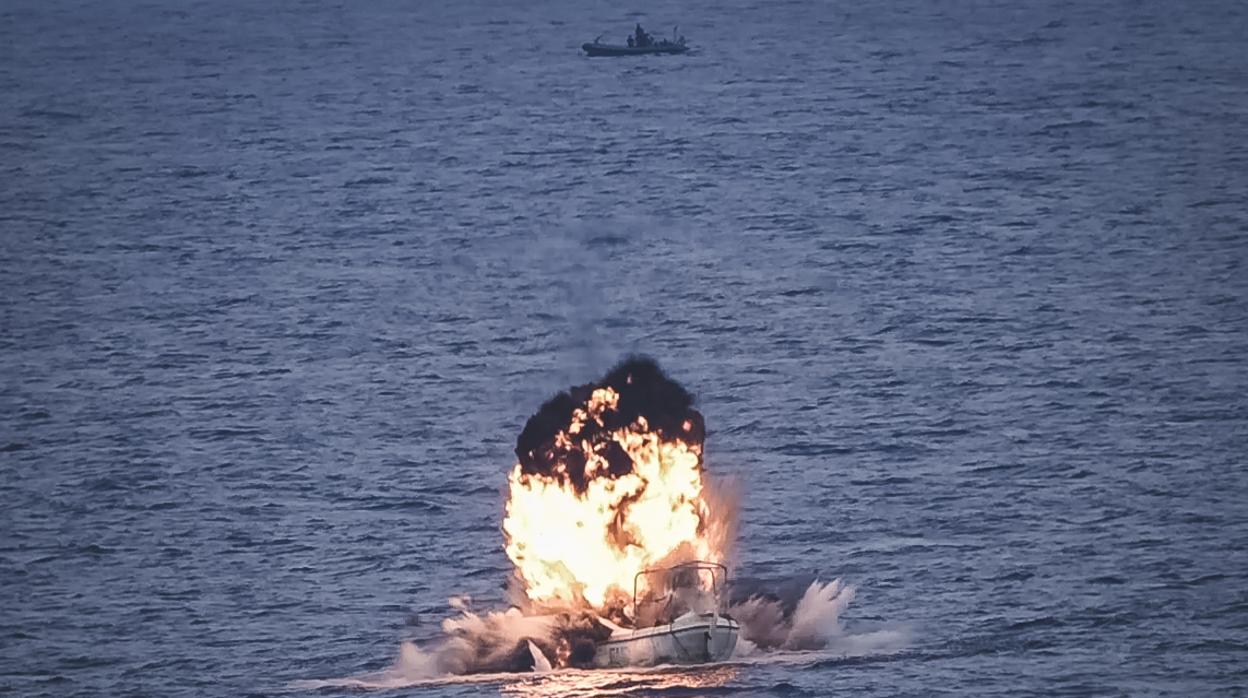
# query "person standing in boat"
(642, 39)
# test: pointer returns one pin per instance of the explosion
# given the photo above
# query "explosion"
(610, 483)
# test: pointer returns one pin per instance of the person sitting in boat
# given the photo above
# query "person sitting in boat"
(642, 38)
(631, 43)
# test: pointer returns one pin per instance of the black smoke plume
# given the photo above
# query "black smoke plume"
(644, 390)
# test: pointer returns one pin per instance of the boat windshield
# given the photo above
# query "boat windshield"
(662, 595)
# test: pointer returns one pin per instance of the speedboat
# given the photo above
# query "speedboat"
(595, 48)
(689, 626)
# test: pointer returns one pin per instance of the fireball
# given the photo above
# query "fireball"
(609, 483)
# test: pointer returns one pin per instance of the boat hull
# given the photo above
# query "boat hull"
(690, 639)
(617, 50)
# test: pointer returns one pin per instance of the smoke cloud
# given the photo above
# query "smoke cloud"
(644, 391)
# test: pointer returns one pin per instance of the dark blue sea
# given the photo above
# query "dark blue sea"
(961, 287)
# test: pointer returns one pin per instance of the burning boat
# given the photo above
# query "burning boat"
(698, 631)
(608, 496)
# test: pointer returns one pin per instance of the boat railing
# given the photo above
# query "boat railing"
(719, 575)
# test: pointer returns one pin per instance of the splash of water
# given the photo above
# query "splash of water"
(505, 645)
(813, 623)
(484, 646)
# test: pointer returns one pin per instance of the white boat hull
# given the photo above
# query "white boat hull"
(690, 639)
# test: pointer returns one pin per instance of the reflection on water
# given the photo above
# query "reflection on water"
(624, 682)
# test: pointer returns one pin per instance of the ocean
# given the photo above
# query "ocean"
(959, 285)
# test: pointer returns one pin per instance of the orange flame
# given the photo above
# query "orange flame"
(585, 547)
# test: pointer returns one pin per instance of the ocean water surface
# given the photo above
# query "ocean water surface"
(960, 287)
